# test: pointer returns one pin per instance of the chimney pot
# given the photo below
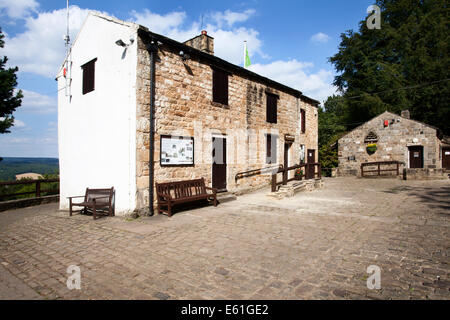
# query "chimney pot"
(204, 32)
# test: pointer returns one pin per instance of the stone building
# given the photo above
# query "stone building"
(210, 118)
(390, 137)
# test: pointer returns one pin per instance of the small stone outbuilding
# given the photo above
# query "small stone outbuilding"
(390, 137)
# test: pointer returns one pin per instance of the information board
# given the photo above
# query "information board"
(177, 151)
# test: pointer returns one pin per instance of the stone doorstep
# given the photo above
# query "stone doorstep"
(294, 187)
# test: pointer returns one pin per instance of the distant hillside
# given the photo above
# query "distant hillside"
(9, 167)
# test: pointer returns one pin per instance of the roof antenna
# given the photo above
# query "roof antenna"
(67, 37)
(68, 64)
(201, 28)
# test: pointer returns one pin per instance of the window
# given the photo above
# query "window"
(302, 153)
(302, 120)
(271, 111)
(271, 148)
(89, 76)
(220, 86)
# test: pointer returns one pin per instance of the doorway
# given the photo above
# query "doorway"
(287, 147)
(415, 157)
(446, 158)
(219, 163)
(311, 158)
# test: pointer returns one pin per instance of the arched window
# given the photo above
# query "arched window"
(371, 137)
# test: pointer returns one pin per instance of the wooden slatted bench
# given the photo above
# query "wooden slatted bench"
(95, 200)
(173, 193)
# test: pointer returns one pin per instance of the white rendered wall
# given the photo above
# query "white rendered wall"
(97, 131)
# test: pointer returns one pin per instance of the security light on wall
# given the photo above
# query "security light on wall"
(184, 56)
(120, 43)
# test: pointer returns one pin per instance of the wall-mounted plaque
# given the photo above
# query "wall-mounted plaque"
(176, 151)
(289, 138)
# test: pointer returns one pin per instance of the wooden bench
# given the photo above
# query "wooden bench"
(172, 193)
(95, 201)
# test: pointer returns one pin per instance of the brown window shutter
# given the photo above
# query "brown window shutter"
(303, 115)
(271, 108)
(89, 76)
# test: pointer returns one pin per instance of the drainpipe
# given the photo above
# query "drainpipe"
(152, 49)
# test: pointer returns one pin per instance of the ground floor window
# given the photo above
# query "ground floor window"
(271, 148)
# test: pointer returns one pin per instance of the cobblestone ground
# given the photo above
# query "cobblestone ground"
(316, 245)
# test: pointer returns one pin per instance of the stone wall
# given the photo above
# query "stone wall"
(392, 145)
(27, 202)
(184, 107)
(424, 174)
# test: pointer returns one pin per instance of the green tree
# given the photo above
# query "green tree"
(403, 65)
(332, 126)
(9, 100)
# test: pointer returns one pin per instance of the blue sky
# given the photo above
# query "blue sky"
(288, 41)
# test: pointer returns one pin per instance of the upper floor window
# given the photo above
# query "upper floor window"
(220, 86)
(271, 148)
(271, 108)
(89, 76)
(302, 121)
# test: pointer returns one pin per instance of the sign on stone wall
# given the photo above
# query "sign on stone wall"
(177, 151)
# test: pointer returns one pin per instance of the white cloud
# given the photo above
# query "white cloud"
(18, 9)
(19, 124)
(14, 140)
(40, 48)
(297, 75)
(157, 23)
(29, 146)
(36, 103)
(229, 18)
(320, 38)
(228, 40)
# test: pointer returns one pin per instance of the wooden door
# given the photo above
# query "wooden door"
(415, 157)
(311, 158)
(219, 165)
(446, 158)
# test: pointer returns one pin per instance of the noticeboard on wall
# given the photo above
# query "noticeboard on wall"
(176, 151)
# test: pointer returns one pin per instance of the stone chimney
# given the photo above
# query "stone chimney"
(405, 114)
(202, 42)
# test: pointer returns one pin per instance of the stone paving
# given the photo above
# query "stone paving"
(315, 245)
